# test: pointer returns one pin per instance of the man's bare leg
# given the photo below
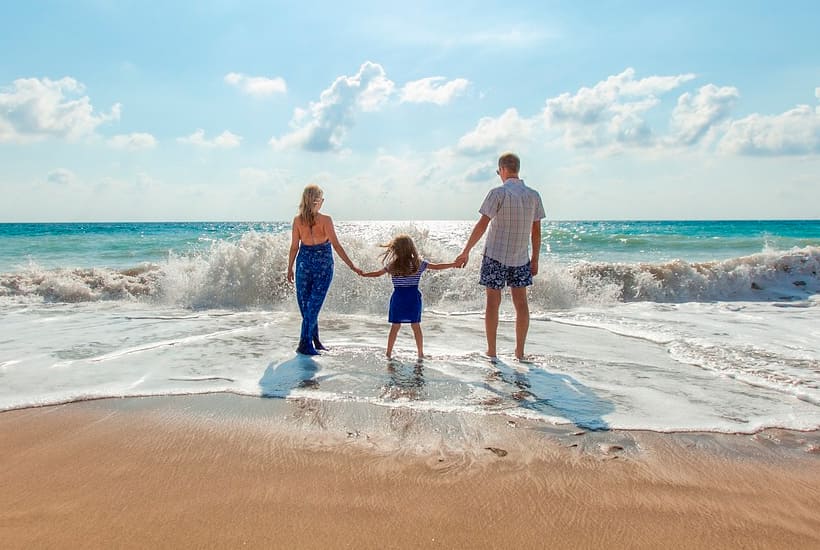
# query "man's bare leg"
(491, 319)
(522, 318)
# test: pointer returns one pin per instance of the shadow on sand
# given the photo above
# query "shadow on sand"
(553, 394)
(280, 379)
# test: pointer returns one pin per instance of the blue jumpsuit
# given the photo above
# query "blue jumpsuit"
(314, 271)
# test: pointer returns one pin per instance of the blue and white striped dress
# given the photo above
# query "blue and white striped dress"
(405, 303)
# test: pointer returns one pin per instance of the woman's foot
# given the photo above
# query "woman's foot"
(306, 348)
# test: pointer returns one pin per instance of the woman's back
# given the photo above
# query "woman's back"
(315, 234)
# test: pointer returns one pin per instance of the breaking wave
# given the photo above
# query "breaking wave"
(249, 273)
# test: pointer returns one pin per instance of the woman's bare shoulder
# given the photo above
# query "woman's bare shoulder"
(324, 219)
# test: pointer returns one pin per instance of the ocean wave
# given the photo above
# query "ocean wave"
(249, 273)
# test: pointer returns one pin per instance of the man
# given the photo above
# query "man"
(513, 213)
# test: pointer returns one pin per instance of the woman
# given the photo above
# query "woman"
(312, 237)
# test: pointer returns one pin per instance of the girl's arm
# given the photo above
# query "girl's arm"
(378, 273)
(441, 266)
(337, 246)
(294, 248)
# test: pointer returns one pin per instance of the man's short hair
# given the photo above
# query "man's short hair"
(510, 161)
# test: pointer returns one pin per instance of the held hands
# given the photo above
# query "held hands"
(461, 259)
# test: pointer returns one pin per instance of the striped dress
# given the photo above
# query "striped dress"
(405, 303)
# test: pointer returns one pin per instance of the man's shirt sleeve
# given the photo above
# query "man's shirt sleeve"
(491, 204)
(539, 209)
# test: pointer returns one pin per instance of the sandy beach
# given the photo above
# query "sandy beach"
(222, 471)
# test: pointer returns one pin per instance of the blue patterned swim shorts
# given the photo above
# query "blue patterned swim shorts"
(496, 275)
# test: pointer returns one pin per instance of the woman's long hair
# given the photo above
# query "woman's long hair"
(307, 210)
(401, 257)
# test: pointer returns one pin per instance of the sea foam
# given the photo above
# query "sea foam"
(250, 273)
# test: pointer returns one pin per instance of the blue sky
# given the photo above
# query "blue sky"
(218, 110)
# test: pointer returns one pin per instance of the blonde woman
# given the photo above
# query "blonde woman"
(312, 237)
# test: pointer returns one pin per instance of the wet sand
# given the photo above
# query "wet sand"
(224, 471)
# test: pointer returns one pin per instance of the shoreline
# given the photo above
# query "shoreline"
(221, 470)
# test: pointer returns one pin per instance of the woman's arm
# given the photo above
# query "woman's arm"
(378, 273)
(337, 246)
(294, 248)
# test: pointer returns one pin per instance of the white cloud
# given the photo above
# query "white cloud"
(494, 134)
(225, 140)
(604, 114)
(61, 176)
(448, 29)
(696, 114)
(257, 86)
(274, 178)
(434, 89)
(481, 173)
(133, 142)
(33, 109)
(146, 181)
(324, 124)
(795, 132)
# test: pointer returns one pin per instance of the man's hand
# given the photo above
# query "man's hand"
(462, 259)
(534, 267)
(290, 276)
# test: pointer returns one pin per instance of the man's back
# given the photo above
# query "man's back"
(512, 207)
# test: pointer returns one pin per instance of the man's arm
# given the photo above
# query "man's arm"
(475, 236)
(536, 246)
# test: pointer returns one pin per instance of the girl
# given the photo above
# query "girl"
(401, 260)
(312, 237)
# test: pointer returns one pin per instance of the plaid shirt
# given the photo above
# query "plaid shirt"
(512, 207)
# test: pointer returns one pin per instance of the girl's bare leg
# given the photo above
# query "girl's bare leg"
(419, 339)
(391, 338)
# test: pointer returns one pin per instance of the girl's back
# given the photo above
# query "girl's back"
(400, 281)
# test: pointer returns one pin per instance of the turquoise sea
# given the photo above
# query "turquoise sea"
(119, 245)
(657, 325)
